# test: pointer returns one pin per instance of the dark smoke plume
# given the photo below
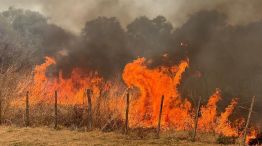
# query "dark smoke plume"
(226, 56)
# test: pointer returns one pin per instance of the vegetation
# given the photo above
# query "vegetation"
(49, 136)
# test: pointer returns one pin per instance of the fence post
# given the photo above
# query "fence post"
(248, 120)
(27, 109)
(55, 109)
(0, 109)
(127, 110)
(159, 118)
(89, 108)
(196, 118)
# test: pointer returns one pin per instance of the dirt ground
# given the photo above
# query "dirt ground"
(42, 136)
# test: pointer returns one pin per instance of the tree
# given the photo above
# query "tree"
(103, 47)
(149, 37)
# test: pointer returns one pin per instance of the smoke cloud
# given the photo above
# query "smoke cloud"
(72, 14)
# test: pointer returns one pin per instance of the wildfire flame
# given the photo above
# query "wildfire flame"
(251, 135)
(224, 126)
(152, 84)
(71, 90)
(177, 111)
(149, 84)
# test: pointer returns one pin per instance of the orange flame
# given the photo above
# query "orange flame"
(251, 135)
(152, 84)
(148, 83)
(224, 126)
(71, 90)
(207, 121)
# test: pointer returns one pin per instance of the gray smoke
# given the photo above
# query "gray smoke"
(220, 37)
(72, 14)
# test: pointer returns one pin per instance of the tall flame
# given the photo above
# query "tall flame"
(224, 126)
(148, 83)
(208, 119)
(152, 84)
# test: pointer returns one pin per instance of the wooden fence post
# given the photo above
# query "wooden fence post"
(159, 118)
(89, 108)
(27, 109)
(0, 109)
(127, 110)
(196, 119)
(248, 120)
(55, 109)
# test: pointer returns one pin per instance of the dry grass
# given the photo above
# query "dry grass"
(47, 136)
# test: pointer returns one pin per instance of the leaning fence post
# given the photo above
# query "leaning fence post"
(159, 118)
(27, 109)
(248, 120)
(89, 108)
(196, 119)
(127, 110)
(55, 109)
